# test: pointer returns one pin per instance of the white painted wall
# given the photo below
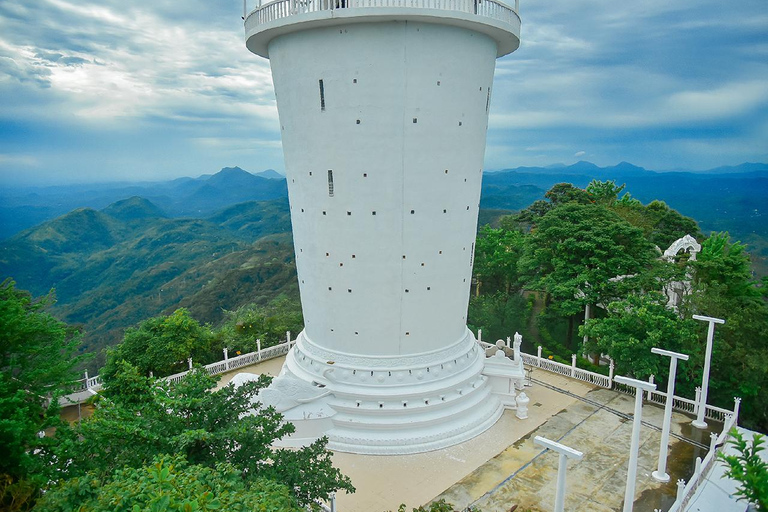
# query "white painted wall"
(384, 75)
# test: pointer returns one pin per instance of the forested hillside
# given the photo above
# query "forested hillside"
(113, 268)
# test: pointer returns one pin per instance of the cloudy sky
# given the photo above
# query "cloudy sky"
(106, 90)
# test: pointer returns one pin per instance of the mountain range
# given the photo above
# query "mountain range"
(118, 254)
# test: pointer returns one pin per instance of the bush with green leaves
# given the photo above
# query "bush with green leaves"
(161, 345)
(748, 468)
(138, 419)
(169, 483)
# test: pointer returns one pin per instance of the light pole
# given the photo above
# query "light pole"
(565, 454)
(640, 386)
(699, 421)
(660, 474)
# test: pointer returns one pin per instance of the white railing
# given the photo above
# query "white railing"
(685, 405)
(278, 9)
(686, 491)
(219, 367)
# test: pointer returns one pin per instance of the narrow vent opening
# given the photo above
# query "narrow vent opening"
(330, 183)
(322, 95)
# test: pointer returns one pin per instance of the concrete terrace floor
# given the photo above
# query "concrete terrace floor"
(502, 467)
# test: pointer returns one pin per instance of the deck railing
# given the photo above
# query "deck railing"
(278, 9)
(219, 367)
(685, 405)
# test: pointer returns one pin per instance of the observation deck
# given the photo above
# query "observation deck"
(490, 17)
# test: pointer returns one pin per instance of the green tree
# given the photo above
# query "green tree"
(497, 252)
(152, 418)
(585, 254)
(269, 324)
(169, 483)
(161, 345)
(605, 192)
(636, 324)
(38, 360)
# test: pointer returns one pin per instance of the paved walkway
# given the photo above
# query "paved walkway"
(501, 467)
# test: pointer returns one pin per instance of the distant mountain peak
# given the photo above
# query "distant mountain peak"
(270, 174)
(134, 208)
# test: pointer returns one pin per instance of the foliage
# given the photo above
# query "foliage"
(436, 506)
(748, 468)
(577, 250)
(499, 315)
(37, 359)
(161, 345)
(725, 266)
(152, 418)
(169, 483)
(723, 288)
(267, 323)
(632, 327)
(497, 252)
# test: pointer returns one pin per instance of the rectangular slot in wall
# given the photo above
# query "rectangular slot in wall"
(330, 183)
(322, 95)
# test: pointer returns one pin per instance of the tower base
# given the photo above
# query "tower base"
(387, 405)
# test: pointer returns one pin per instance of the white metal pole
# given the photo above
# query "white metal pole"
(660, 475)
(640, 386)
(566, 453)
(699, 421)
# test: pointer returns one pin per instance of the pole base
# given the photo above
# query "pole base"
(699, 424)
(660, 477)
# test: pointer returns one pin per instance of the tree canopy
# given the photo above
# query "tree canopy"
(208, 427)
(37, 362)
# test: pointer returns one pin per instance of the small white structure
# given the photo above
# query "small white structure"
(383, 113)
(565, 453)
(634, 448)
(699, 421)
(660, 475)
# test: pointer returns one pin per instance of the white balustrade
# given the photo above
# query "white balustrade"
(278, 9)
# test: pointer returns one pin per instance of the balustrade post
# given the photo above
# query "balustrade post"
(288, 338)
(87, 386)
(538, 357)
(697, 471)
(509, 342)
(517, 344)
(333, 502)
(573, 365)
(680, 490)
(611, 368)
(226, 358)
(736, 406)
(726, 421)
(479, 335)
(712, 441)
(189, 362)
(258, 349)
(698, 398)
(651, 379)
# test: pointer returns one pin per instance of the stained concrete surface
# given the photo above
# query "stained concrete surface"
(502, 467)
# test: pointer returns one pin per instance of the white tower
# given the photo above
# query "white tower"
(383, 110)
